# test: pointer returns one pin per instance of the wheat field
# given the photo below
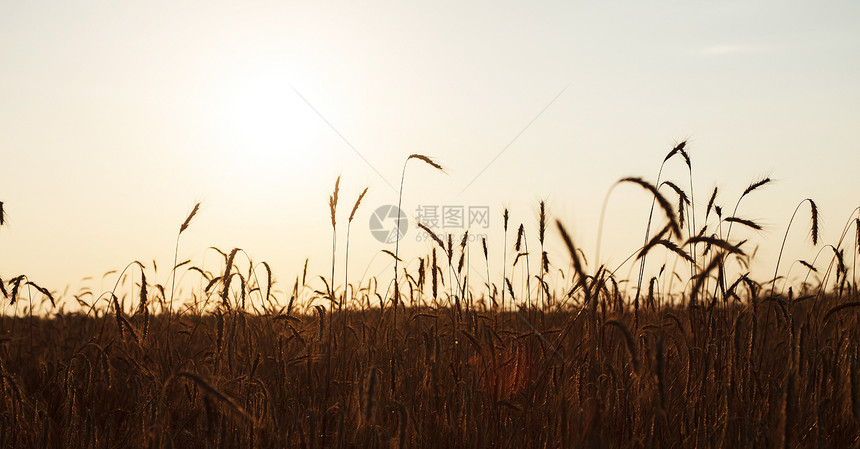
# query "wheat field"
(568, 355)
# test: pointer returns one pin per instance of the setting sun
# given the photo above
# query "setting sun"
(268, 128)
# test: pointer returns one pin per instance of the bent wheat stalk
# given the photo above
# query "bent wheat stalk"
(427, 160)
(182, 229)
(813, 234)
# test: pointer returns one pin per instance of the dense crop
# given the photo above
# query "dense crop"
(567, 359)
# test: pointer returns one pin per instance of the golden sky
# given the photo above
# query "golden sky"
(116, 117)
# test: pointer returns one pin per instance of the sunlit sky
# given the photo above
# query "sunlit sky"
(117, 117)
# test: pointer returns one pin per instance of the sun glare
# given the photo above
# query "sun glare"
(266, 125)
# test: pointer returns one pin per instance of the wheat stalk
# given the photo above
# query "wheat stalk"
(432, 235)
(661, 200)
(541, 234)
(710, 203)
(670, 216)
(429, 161)
(574, 256)
(487, 265)
(748, 223)
(813, 233)
(346, 260)
(332, 204)
(505, 217)
(227, 277)
(182, 229)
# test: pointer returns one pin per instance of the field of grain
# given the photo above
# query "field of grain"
(570, 358)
